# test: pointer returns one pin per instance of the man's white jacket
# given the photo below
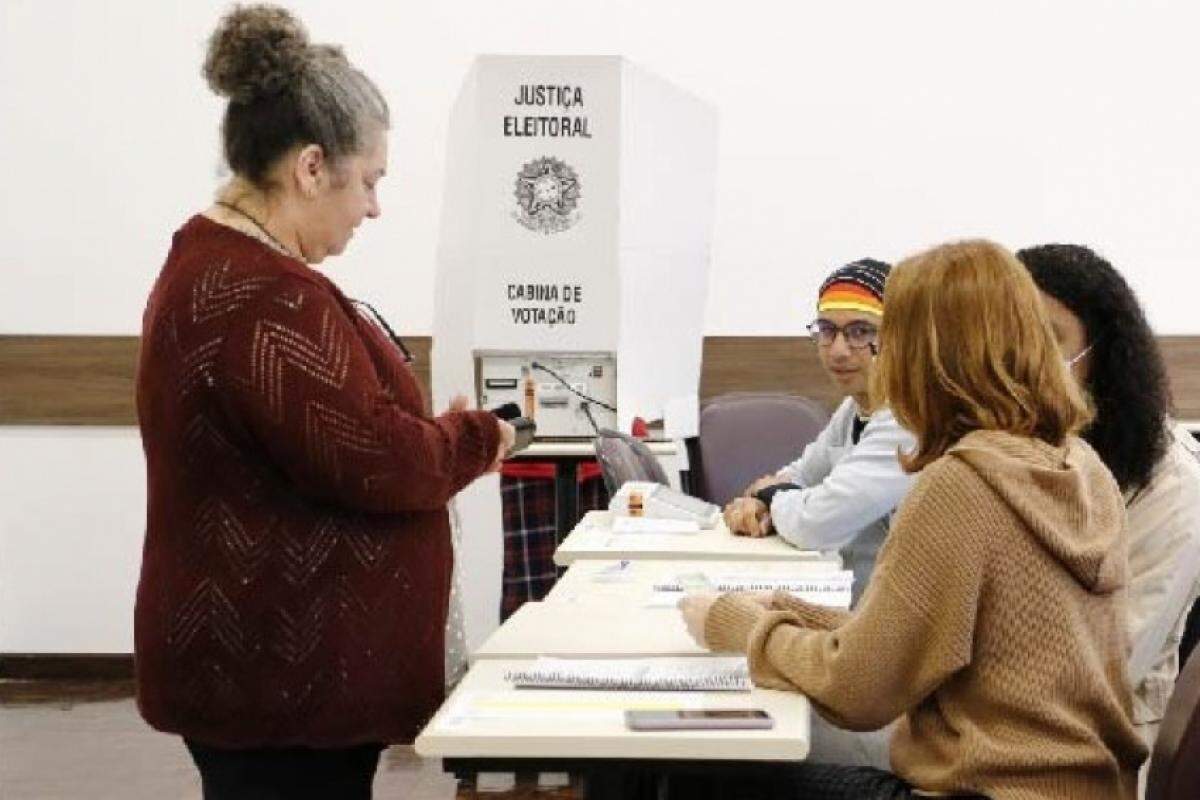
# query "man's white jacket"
(848, 491)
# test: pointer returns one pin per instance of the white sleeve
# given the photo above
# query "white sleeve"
(815, 463)
(1164, 558)
(864, 486)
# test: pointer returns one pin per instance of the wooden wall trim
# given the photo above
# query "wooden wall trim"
(67, 380)
(66, 666)
(1182, 355)
(764, 364)
(65, 677)
(88, 380)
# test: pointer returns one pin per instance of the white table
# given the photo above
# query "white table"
(589, 628)
(593, 538)
(548, 724)
(633, 580)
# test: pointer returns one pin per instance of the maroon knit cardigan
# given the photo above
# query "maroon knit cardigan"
(296, 568)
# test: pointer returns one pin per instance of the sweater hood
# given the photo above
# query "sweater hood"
(1065, 495)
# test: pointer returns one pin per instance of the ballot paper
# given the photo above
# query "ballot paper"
(831, 589)
(653, 525)
(620, 572)
(715, 674)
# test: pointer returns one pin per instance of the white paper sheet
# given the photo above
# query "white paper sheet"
(653, 525)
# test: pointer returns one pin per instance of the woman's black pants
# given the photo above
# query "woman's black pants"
(286, 773)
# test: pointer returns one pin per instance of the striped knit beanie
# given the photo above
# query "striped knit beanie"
(858, 286)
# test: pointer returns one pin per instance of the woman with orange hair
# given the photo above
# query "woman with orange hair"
(993, 628)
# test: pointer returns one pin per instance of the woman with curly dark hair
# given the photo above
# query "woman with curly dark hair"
(1112, 352)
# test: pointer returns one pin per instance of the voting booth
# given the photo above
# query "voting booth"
(573, 264)
(572, 278)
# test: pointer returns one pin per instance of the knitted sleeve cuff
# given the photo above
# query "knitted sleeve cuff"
(767, 494)
(478, 442)
(810, 615)
(736, 623)
(488, 427)
(767, 658)
(729, 622)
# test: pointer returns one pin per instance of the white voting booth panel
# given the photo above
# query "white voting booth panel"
(576, 221)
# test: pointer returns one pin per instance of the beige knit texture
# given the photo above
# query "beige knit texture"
(993, 627)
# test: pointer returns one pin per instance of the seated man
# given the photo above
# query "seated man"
(840, 494)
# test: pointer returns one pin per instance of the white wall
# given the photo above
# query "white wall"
(846, 129)
(70, 538)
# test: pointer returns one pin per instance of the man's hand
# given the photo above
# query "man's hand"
(748, 516)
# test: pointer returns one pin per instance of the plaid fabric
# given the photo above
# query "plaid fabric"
(530, 532)
(592, 494)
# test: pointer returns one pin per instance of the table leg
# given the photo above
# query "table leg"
(622, 783)
(566, 496)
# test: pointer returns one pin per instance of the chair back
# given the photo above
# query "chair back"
(1191, 633)
(1175, 760)
(746, 436)
(623, 458)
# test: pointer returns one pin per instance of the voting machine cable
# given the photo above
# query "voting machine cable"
(571, 388)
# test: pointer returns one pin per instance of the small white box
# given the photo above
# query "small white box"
(655, 501)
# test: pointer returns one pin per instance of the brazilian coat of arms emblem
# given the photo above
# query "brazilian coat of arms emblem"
(547, 192)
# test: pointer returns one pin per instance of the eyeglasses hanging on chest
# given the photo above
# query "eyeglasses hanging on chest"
(370, 312)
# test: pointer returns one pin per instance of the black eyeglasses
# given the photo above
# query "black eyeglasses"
(858, 335)
(373, 314)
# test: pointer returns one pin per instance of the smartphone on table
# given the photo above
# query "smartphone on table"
(698, 719)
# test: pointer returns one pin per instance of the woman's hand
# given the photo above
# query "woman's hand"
(695, 608)
(508, 438)
(748, 516)
(459, 403)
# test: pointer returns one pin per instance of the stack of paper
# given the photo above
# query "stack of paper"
(832, 589)
(716, 674)
(653, 525)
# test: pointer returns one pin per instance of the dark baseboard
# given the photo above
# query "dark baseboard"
(66, 666)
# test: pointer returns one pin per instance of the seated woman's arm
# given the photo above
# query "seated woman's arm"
(810, 615)
(912, 631)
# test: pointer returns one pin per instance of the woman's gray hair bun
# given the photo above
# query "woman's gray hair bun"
(256, 51)
(284, 91)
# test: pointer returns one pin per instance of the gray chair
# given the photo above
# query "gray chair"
(623, 458)
(746, 436)
(1175, 760)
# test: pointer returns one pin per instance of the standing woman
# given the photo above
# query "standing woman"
(291, 609)
(1114, 356)
(993, 626)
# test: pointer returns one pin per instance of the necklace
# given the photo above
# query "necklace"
(278, 244)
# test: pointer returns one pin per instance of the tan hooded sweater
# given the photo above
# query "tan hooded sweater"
(994, 625)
